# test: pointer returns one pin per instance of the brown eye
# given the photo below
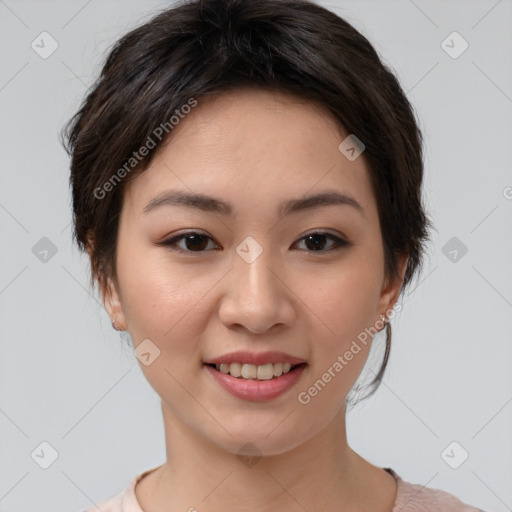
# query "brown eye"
(316, 242)
(193, 242)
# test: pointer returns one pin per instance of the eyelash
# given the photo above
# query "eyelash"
(172, 242)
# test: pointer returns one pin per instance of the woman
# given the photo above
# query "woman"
(246, 180)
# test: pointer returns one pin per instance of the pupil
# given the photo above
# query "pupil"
(196, 241)
(316, 238)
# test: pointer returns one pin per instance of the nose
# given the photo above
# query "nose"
(257, 295)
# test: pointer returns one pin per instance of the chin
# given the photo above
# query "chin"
(251, 439)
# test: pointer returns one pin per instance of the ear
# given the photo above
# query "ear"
(391, 289)
(110, 297)
(112, 303)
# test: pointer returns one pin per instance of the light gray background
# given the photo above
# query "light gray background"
(65, 377)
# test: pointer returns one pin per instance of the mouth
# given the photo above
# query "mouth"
(264, 372)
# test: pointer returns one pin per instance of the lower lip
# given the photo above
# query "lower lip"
(257, 390)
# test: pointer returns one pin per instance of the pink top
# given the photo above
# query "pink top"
(409, 498)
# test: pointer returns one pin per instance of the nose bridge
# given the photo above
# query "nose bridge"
(252, 267)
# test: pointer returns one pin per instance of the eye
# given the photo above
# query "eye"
(198, 242)
(194, 242)
(315, 241)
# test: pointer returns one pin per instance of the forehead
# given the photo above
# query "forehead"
(255, 145)
(250, 117)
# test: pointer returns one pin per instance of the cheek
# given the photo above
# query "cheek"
(161, 302)
(343, 300)
(160, 299)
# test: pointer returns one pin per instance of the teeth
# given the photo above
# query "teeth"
(278, 369)
(265, 371)
(235, 369)
(252, 371)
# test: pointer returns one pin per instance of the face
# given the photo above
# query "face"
(199, 281)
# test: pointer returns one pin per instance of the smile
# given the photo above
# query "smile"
(251, 371)
(248, 385)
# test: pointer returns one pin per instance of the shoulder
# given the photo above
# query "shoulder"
(114, 504)
(418, 498)
(125, 501)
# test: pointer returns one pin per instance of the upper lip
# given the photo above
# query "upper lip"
(255, 358)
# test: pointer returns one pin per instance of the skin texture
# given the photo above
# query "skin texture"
(253, 149)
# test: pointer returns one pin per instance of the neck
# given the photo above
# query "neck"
(321, 474)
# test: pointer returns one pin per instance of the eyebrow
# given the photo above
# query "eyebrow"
(214, 205)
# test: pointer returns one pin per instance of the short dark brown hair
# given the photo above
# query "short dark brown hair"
(202, 48)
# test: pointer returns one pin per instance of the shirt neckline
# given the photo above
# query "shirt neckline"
(130, 502)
